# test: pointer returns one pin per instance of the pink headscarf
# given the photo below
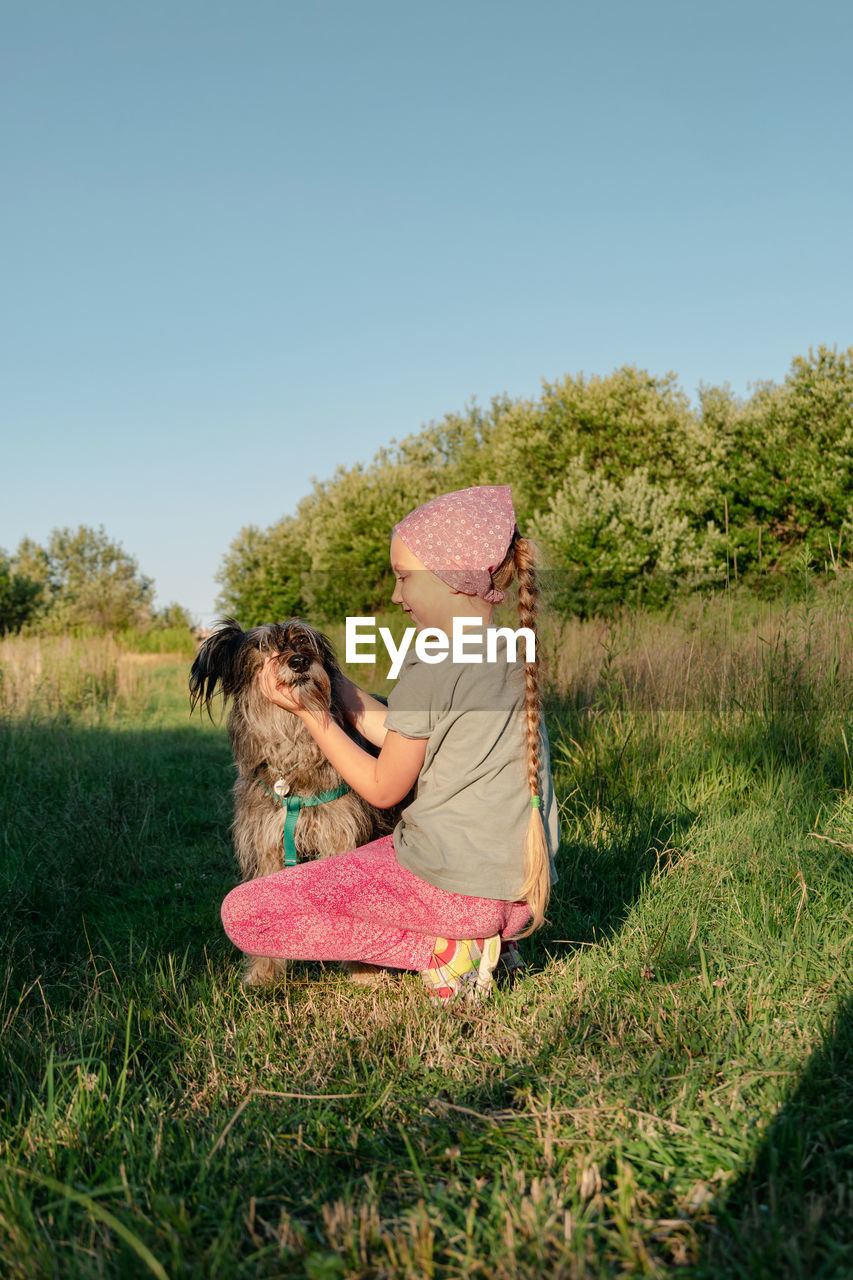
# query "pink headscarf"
(463, 536)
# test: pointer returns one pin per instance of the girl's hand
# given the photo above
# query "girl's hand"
(276, 690)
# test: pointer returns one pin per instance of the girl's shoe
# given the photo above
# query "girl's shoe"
(462, 968)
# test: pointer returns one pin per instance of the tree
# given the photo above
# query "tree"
(606, 540)
(87, 580)
(347, 524)
(261, 575)
(173, 615)
(19, 596)
(625, 420)
(784, 459)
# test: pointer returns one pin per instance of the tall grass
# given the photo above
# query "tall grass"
(669, 1089)
(63, 676)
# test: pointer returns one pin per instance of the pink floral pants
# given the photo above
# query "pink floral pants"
(360, 905)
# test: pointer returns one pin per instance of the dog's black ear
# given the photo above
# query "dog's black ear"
(216, 663)
(327, 653)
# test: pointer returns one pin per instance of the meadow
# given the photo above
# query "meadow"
(668, 1090)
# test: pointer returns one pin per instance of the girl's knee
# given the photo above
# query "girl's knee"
(238, 912)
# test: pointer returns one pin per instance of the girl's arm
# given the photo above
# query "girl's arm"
(364, 713)
(382, 780)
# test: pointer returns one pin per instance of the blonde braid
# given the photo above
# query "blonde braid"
(520, 563)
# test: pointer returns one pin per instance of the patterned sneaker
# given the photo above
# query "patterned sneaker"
(490, 954)
(462, 968)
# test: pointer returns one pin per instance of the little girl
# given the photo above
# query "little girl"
(472, 858)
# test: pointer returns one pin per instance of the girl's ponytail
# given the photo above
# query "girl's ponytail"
(520, 563)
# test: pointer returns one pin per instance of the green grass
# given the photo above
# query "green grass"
(669, 1090)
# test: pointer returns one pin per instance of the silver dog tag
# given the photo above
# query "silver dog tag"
(281, 788)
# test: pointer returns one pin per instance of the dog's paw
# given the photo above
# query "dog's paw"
(263, 971)
(367, 975)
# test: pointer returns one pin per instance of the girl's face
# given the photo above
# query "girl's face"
(428, 599)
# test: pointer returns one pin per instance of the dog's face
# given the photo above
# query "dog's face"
(231, 659)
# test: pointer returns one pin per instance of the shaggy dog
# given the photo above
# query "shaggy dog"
(289, 801)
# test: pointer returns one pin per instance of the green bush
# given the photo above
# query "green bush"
(607, 541)
(179, 640)
(19, 597)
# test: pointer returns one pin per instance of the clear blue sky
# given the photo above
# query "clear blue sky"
(244, 242)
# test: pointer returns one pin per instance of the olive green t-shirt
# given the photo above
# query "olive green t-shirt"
(464, 831)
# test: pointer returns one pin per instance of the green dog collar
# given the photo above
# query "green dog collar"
(294, 806)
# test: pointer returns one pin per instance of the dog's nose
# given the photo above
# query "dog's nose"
(299, 662)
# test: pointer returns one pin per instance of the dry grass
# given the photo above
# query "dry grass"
(58, 675)
(706, 656)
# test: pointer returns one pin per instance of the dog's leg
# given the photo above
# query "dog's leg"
(361, 974)
(263, 971)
